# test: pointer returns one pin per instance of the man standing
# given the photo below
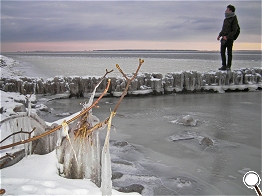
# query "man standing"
(227, 33)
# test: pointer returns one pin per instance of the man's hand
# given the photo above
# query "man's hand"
(218, 38)
(225, 37)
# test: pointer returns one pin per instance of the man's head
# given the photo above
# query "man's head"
(231, 8)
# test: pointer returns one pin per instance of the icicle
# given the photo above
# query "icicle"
(67, 161)
(31, 143)
(80, 154)
(106, 182)
(30, 136)
(96, 167)
(28, 98)
(59, 138)
(88, 158)
(29, 107)
(86, 105)
(8, 128)
(15, 129)
(35, 86)
(24, 127)
(106, 177)
(65, 129)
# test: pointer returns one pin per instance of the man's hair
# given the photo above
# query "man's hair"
(232, 8)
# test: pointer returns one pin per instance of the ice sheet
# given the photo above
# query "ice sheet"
(231, 120)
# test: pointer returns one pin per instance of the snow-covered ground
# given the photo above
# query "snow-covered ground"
(37, 175)
(8, 67)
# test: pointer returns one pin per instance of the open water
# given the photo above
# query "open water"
(184, 167)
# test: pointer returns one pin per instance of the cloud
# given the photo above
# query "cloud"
(54, 21)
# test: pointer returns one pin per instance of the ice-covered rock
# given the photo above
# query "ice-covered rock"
(173, 82)
(42, 107)
(193, 80)
(186, 120)
(206, 141)
(19, 108)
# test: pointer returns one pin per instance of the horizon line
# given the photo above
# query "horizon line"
(62, 51)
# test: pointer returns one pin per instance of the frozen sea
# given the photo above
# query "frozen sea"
(163, 166)
(231, 120)
(94, 63)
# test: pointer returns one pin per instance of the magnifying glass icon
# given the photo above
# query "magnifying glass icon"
(251, 179)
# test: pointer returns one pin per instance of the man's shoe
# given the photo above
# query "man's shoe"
(228, 69)
(222, 68)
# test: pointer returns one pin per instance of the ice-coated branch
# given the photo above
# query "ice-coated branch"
(25, 132)
(106, 177)
(83, 131)
(8, 155)
(85, 104)
(141, 61)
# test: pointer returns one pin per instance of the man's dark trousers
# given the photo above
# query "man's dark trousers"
(229, 46)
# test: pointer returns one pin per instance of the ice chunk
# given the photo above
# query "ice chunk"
(186, 120)
(206, 141)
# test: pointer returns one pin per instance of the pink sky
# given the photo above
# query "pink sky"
(111, 45)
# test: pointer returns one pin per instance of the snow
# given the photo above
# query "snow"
(7, 67)
(44, 179)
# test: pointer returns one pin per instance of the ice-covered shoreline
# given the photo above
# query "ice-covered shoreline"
(146, 83)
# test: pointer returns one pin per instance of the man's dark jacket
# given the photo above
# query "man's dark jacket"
(229, 28)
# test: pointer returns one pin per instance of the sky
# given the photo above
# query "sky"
(110, 25)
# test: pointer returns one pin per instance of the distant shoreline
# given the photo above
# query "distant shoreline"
(125, 50)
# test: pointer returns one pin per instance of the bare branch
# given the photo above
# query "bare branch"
(141, 61)
(25, 132)
(121, 71)
(8, 155)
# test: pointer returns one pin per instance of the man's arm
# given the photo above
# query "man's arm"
(222, 31)
(234, 29)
